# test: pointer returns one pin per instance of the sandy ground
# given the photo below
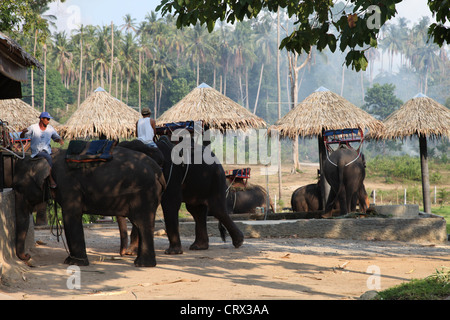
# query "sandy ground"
(262, 269)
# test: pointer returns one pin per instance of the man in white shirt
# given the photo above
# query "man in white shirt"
(145, 128)
(41, 134)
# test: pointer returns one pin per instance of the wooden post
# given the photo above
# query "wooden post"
(425, 174)
(324, 186)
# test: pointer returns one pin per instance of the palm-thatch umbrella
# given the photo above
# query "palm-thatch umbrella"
(323, 110)
(19, 114)
(424, 117)
(101, 115)
(214, 109)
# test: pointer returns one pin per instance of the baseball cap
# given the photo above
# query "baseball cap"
(45, 115)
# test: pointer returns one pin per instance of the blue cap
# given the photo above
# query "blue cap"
(45, 115)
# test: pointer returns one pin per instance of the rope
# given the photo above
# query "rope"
(334, 164)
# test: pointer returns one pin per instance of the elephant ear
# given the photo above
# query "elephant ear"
(41, 171)
(30, 171)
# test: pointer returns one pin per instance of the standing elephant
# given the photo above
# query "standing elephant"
(202, 188)
(345, 172)
(129, 185)
(245, 200)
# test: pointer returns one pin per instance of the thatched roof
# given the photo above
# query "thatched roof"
(420, 115)
(101, 114)
(326, 110)
(213, 108)
(19, 114)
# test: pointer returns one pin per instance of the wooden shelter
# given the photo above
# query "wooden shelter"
(424, 117)
(214, 109)
(14, 64)
(101, 115)
(19, 114)
(323, 110)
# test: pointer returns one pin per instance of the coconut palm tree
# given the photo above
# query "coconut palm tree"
(199, 46)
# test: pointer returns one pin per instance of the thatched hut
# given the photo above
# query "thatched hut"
(423, 117)
(214, 109)
(323, 110)
(19, 114)
(101, 115)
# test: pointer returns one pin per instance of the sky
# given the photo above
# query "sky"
(72, 13)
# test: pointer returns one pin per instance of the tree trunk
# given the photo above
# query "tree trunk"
(425, 175)
(279, 103)
(81, 69)
(112, 58)
(259, 87)
(45, 77)
(139, 81)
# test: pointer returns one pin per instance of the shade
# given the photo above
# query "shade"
(19, 115)
(14, 62)
(101, 114)
(420, 115)
(214, 109)
(324, 110)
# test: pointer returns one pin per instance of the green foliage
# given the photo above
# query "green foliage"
(57, 95)
(381, 100)
(351, 31)
(434, 287)
(22, 15)
(400, 167)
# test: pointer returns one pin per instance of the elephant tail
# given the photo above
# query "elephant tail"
(341, 188)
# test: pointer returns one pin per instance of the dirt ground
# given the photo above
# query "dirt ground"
(262, 269)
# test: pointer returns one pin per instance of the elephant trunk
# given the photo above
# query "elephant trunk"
(22, 222)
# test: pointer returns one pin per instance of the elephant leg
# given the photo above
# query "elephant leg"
(41, 214)
(171, 206)
(199, 212)
(144, 224)
(134, 242)
(218, 209)
(73, 228)
(122, 223)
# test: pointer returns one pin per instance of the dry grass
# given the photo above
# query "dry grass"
(326, 110)
(213, 108)
(418, 116)
(19, 114)
(101, 114)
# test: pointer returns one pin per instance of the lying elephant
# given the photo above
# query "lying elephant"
(245, 200)
(309, 198)
(130, 185)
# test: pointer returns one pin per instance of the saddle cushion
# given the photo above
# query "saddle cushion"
(89, 152)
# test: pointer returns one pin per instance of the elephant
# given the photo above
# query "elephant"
(8, 174)
(309, 198)
(129, 185)
(345, 171)
(202, 188)
(245, 200)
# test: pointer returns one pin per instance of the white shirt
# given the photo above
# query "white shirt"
(145, 130)
(40, 140)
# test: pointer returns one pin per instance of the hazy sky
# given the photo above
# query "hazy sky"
(72, 13)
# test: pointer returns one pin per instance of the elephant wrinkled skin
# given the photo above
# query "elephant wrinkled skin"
(130, 185)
